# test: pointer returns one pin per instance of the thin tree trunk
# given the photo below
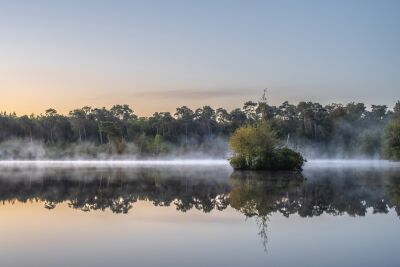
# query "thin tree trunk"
(186, 132)
(80, 136)
(100, 135)
(30, 134)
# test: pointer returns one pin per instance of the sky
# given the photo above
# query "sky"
(158, 55)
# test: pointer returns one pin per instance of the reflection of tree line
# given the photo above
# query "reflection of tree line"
(116, 191)
(253, 194)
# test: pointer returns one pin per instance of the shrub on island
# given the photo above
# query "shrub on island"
(256, 148)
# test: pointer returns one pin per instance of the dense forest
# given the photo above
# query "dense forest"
(333, 130)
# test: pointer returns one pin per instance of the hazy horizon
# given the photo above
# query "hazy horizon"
(160, 55)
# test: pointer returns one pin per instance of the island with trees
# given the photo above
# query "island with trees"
(256, 148)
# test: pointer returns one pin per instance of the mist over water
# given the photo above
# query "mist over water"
(115, 163)
(24, 149)
(186, 163)
(217, 150)
(32, 153)
(350, 163)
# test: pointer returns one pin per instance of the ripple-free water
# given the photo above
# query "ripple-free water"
(198, 213)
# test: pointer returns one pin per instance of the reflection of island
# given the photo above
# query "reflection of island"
(254, 194)
(332, 192)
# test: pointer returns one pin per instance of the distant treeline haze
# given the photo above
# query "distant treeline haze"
(349, 130)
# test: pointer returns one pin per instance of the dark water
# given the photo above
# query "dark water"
(333, 214)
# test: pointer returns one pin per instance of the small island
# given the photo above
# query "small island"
(255, 147)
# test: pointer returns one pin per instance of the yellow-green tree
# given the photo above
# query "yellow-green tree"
(256, 148)
(392, 135)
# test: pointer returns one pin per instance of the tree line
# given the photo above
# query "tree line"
(313, 128)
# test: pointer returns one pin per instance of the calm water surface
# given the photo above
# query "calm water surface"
(334, 214)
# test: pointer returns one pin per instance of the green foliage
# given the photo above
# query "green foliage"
(114, 135)
(369, 143)
(287, 159)
(392, 140)
(255, 148)
(156, 145)
(250, 141)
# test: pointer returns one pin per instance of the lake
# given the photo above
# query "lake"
(189, 213)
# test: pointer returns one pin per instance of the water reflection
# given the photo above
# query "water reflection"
(117, 189)
(254, 194)
(332, 191)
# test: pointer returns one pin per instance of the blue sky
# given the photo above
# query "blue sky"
(157, 55)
